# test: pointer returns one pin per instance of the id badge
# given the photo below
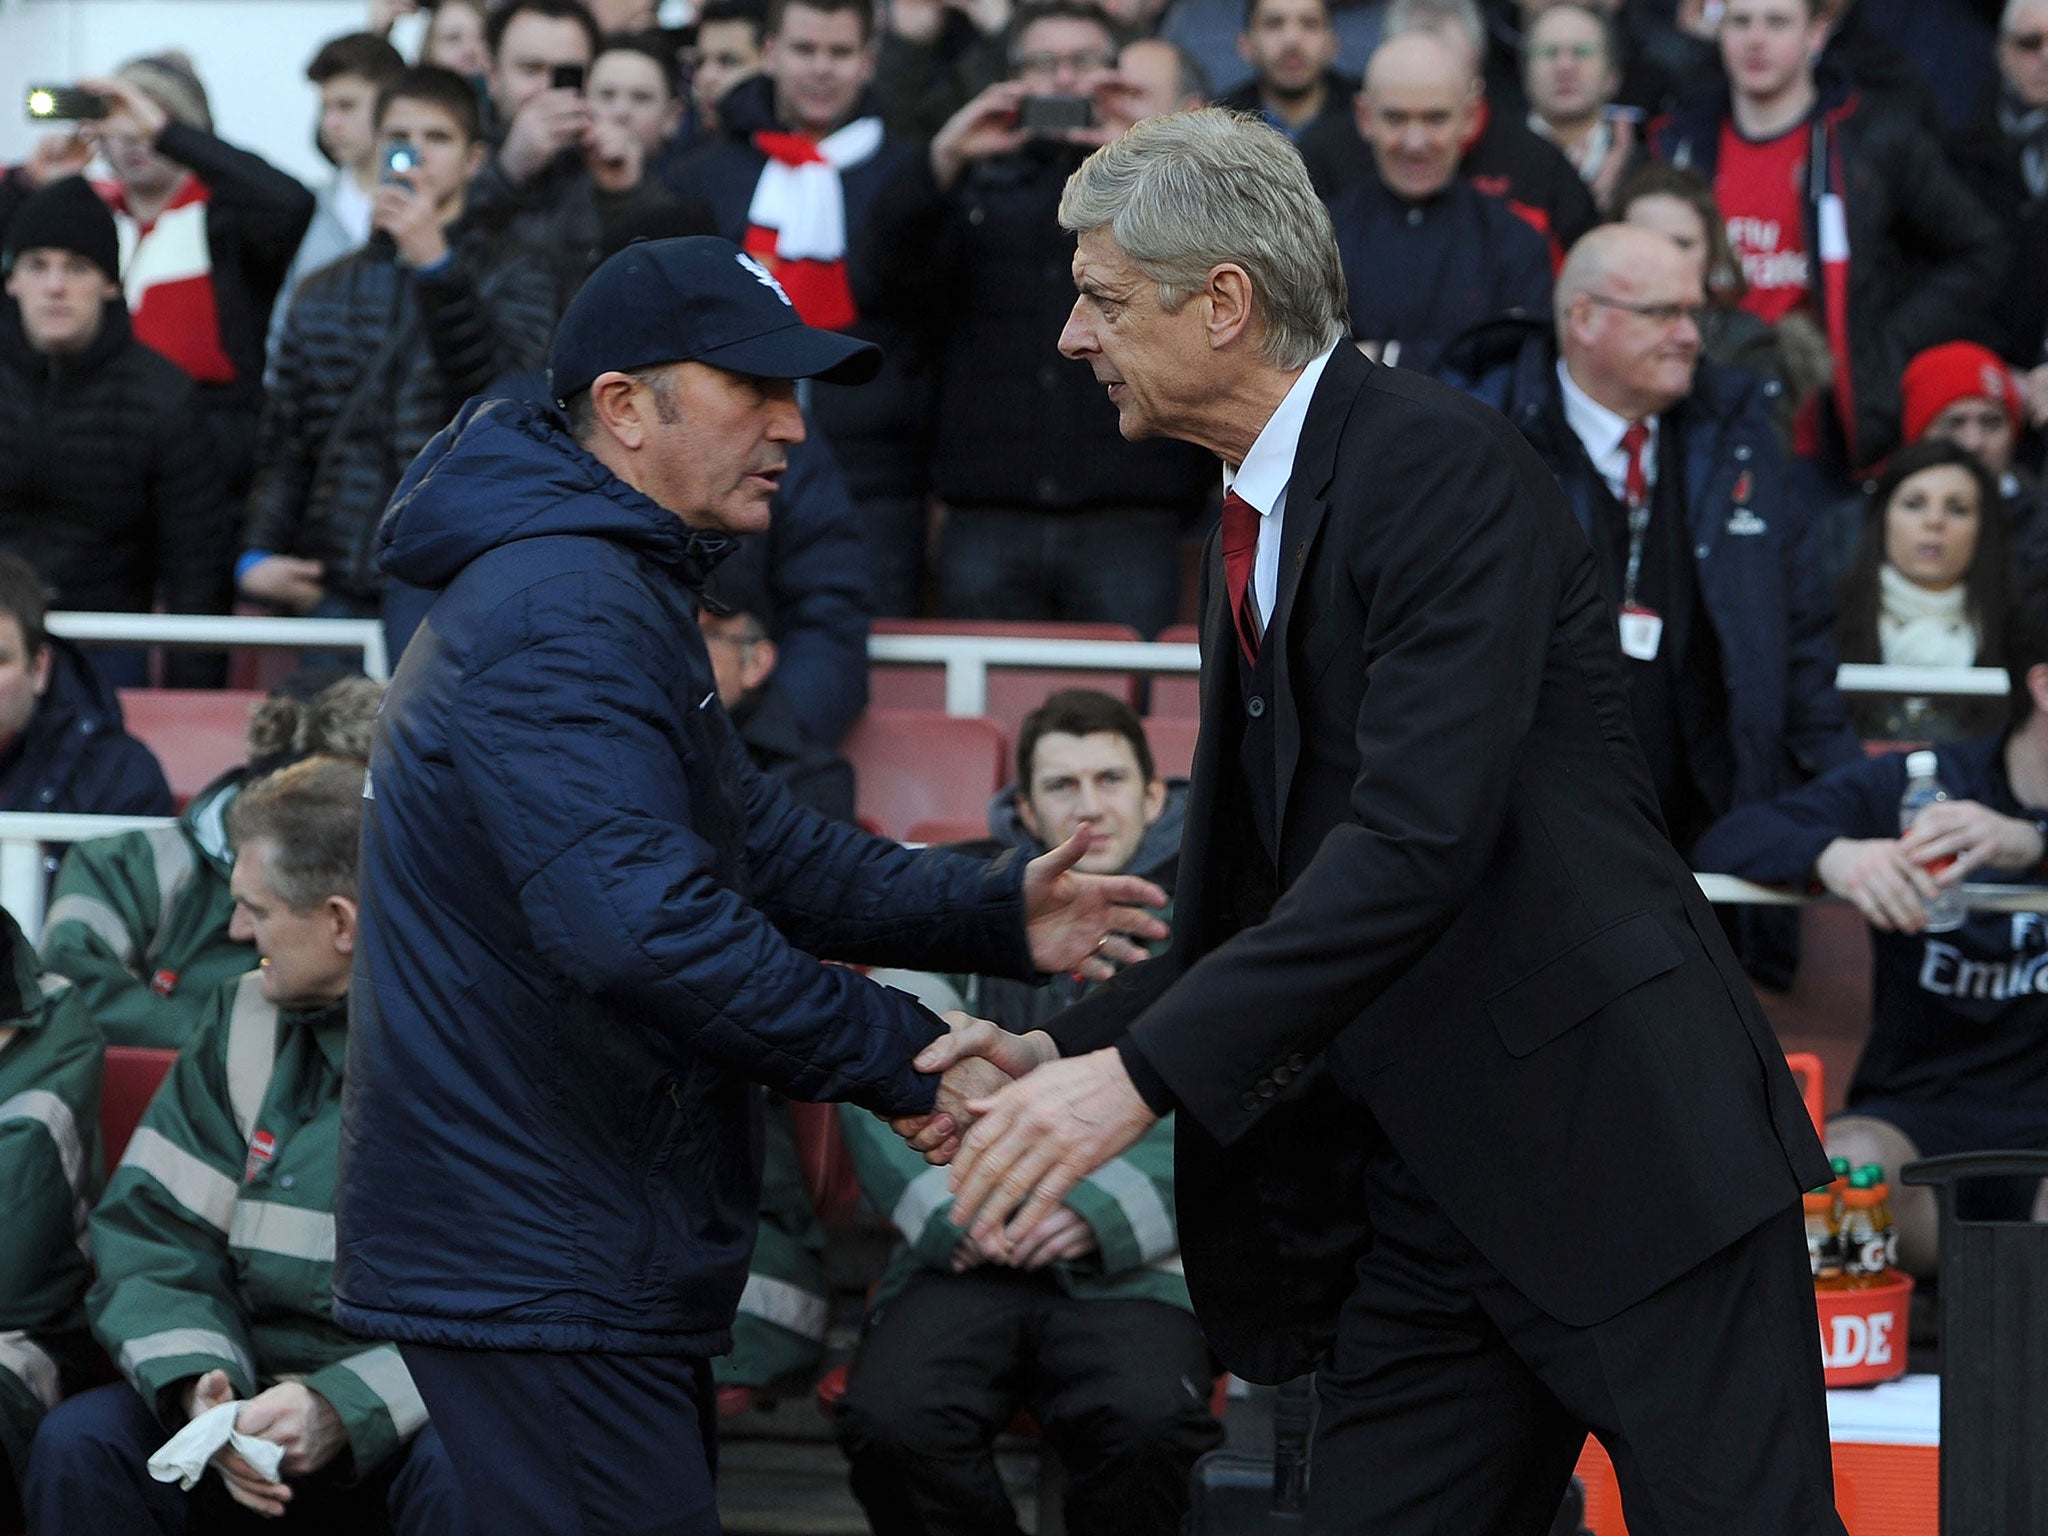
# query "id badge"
(1642, 631)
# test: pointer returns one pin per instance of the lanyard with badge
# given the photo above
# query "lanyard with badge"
(1642, 628)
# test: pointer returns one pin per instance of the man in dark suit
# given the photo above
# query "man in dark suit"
(1478, 1117)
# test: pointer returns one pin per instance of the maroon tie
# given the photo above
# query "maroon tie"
(1635, 487)
(1240, 551)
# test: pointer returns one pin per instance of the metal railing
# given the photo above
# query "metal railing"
(209, 632)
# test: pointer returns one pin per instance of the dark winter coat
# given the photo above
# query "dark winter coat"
(1423, 273)
(109, 481)
(1923, 255)
(1762, 573)
(880, 430)
(587, 929)
(74, 757)
(1987, 160)
(987, 265)
(375, 359)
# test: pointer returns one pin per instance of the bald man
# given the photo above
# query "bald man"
(1674, 472)
(1426, 255)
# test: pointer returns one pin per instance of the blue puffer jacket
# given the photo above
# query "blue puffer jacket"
(587, 922)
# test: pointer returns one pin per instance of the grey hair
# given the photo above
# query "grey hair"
(1436, 16)
(1185, 193)
(660, 381)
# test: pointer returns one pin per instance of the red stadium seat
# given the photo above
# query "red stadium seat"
(915, 765)
(1013, 692)
(948, 829)
(1173, 745)
(1177, 694)
(196, 733)
(132, 1074)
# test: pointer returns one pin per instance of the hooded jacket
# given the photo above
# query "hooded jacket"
(588, 921)
(1903, 255)
(108, 477)
(74, 754)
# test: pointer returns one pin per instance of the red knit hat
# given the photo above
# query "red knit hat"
(1955, 370)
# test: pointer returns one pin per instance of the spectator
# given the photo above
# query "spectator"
(214, 1242)
(794, 179)
(1644, 85)
(1957, 1059)
(1917, 253)
(1159, 77)
(1051, 514)
(1501, 157)
(210, 232)
(1927, 587)
(454, 39)
(108, 478)
(49, 1176)
(348, 72)
(933, 57)
(2002, 157)
(62, 748)
(635, 110)
(743, 661)
(1089, 1328)
(1965, 393)
(139, 922)
(1426, 255)
(1291, 48)
(378, 352)
(1572, 70)
(728, 51)
(1860, 52)
(1673, 470)
(1210, 29)
(535, 189)
(1678, 204)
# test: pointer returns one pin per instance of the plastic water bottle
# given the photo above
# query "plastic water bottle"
(1946, 912)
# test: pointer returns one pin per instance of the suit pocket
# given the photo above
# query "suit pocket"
(1580, 982)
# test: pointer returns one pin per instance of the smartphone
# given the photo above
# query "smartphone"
(566, 77)
(1055, 114)
(399, 158)
(64, 103)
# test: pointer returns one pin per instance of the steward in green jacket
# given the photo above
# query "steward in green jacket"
(50, 1173)
(1087, 1327)
(214, 1242)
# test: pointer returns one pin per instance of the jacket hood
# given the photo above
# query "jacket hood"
(506, 470)
(205, 820)
(76, 691)
(1157, 849)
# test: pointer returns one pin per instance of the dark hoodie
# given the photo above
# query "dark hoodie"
(109, 483)
(74, 756)
(588, 925)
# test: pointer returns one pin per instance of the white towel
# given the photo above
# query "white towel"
(182, 1459)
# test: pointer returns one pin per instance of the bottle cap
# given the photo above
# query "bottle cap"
(1840, 1165)
(1920, 765)
(1875, 1170)
(1861, 1179)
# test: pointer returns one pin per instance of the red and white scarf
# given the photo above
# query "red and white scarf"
(167, 270)
(796, 224)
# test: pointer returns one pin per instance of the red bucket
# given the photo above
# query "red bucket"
(1863, 1333)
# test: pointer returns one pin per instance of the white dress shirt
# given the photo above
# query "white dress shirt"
(1261, 480)
(1599, 431)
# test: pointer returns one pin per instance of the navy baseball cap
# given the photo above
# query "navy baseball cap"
(699, 299)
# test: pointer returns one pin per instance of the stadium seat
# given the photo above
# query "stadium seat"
(914, 765)
(1013, 692)
(1177, 695)
(196, 733)
(130, 1079)
(1173, 744)
(948, 829)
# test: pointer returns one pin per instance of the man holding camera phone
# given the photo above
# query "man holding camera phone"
(1051, 514)
(377, 353)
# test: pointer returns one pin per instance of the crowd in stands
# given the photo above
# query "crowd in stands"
(1764, 282)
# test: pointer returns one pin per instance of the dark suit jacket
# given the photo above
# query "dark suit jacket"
(1483, 938)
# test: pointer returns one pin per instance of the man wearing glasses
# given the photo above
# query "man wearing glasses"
(1673, 469)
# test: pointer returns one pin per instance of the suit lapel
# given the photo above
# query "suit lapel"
(1308, 490)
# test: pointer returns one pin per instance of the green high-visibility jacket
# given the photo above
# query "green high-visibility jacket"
(50, 1172)
(139, 921)
(784, 1311)
(215, 1239)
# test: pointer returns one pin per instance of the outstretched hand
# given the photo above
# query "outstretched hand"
(976, 1060)
(1087, 924)
(1036, 1139)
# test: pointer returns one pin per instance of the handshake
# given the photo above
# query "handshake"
(1020, 1127)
